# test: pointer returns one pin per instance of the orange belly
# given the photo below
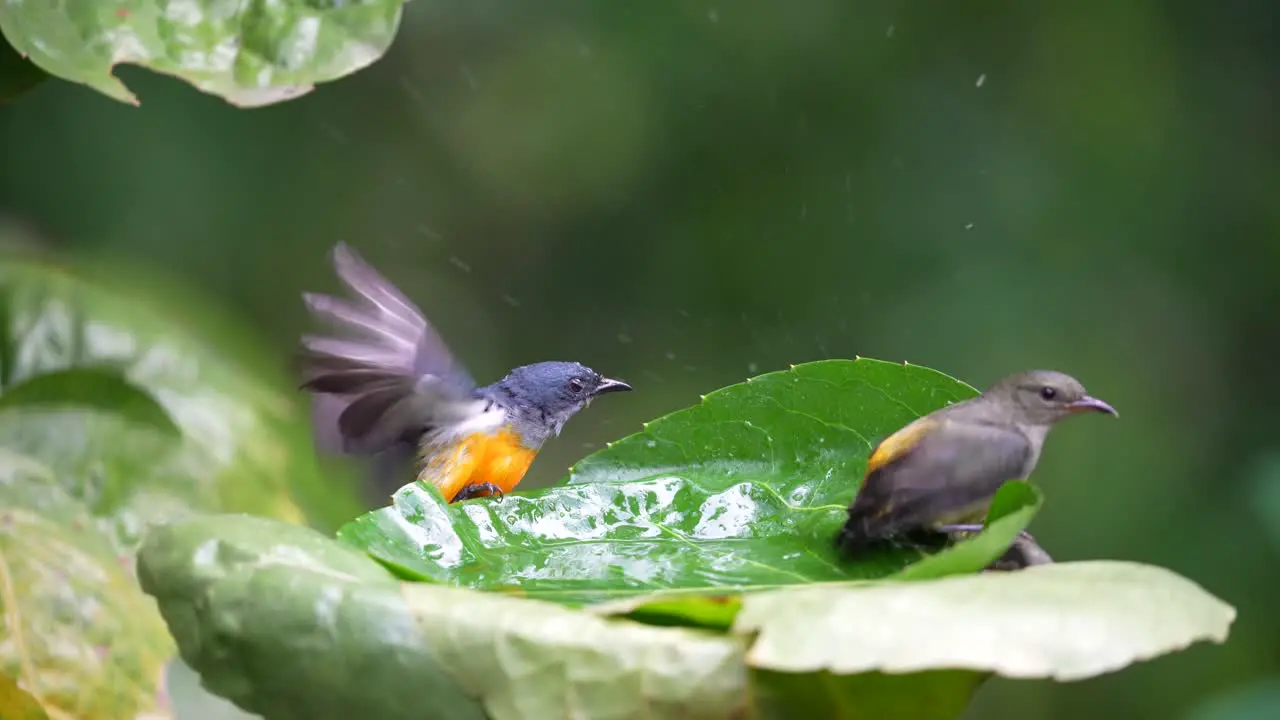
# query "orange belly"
(499, 459)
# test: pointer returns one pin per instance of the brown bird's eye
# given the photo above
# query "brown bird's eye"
(1048, 393)
(576, 385)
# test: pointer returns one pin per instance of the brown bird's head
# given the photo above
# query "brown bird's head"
(1043, 397)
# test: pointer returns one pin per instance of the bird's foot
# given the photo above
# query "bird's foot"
(1023, 553)
(477, 490)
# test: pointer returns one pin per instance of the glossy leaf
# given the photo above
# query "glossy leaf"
(139, 419)
(250, 54)
(1065, 621)
(80, 637)
(1013, 507)
(288, 624)
(745, 490)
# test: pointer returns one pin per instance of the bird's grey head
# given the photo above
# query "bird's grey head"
(1042, 397)
(549, 393)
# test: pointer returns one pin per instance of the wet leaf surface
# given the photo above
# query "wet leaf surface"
(744, 490)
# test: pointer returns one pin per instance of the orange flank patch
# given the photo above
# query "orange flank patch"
(899, 443)
(499, 459)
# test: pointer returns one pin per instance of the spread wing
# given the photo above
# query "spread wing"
(929, 470)
(385, 374)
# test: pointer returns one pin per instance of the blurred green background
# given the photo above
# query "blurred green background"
(684, 194)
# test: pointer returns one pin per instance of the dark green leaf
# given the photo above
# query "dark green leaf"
(80, 638)
(745, 491)
(248, 53)
(288, 624)
(1013, 507)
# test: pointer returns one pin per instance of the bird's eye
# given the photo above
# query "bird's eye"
(1048, 393)
(576, 385)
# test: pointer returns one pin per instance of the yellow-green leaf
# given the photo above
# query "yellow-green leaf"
(77, 634)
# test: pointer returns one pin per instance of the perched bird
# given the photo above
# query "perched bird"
(937, 475)
(387, 386)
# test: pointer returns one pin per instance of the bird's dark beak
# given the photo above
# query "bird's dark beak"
(611, 385)
(1092, 404)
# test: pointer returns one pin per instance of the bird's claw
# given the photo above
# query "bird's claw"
(475, 490)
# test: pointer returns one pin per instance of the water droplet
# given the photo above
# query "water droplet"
(651, 444)
(753, 367)
(510, 301)
(968, 226)
(458, 263)
(889, 33)
(713, 15)
(624, 338)
(671, 355)
(982, 79)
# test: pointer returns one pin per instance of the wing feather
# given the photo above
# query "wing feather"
(388, 367)
(930, 471)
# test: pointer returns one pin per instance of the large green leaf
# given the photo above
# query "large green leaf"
(290, 624)
(745, 490)
(131, 419)
(1011, 510)
(528, 659)
(1065, 621)
(250, 53)
(293, 625)
(80, 638)
(139, 418)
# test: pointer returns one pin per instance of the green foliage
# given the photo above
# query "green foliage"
(727, 509)
(112, 418)
(290, 624)
(18, 704)
(70, 607)
(249, 54)
(744, 490)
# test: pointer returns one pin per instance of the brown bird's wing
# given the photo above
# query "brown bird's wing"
(386, 374)
(934, 470)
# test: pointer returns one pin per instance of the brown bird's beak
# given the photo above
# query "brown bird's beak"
(1089, 403)
(611, 385)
